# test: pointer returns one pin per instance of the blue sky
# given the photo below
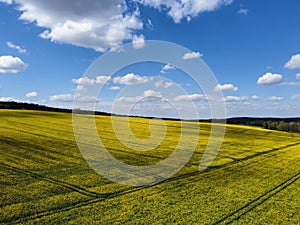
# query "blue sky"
(252, 47)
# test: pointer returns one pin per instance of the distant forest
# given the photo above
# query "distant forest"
(281, 124)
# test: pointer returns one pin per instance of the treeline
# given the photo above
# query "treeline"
(280, 124)
(31, 106)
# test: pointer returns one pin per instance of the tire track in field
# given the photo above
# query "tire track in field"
(25, 218)
(258, 201)
(54, 181)
(96, 197)
(253, 156)
(226, 165)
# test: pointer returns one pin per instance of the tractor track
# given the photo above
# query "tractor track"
(231, 217)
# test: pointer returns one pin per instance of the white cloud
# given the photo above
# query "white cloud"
(148, 96)
(7, 99)
(10, 64)
(163, 84)
(179, 9)
(114, 88)
(226, 87)
(290, 84)
(13, 46)
(151, 93)
(104, 24)
(295, 97)
(270, 79)
(7, 1)
(90, 81)
(193, 97)
(243, 11)
(294, 62)
(138, 41)
(61, 98)
(298, 76)
(255, 97)
(102, 79)
(99, 25)
(80, 88)
(84, 81)
(32, 94)
(69, 98)
(235, 98)
(124, 99)
(131, 79)
(167, 67)
(192, 55)
(85, 99)
(275, 98)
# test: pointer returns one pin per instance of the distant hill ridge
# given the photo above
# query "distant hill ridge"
(282, 124)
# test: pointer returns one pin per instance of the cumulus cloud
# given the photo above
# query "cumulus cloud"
(167, 67)
(294, 62)
(61, 98)
(138, 41)
(192, 55)
(7, 1)
(270, 79)
(69, 98)
(163, 84)
(179, 9)
(99, 25)
(7, 99)
(114, 88)
(102, 79)
(151, 93)
(243, 11)
(193, 97)
(10, 64)
(80, 88)
(226, 87)
(90, 81)
(290, 84)
(148, 96)
(235, 98)
(84, 81)
(124, 99)
(85, 99)
(132, 79)
(13, 46)
(275, 98)
(255, 97)
(104, 24)
(32, 94)
(298, 76)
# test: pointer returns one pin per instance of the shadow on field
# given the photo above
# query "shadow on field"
(97, 197)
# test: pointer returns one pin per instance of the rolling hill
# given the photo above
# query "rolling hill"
(45, 179)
